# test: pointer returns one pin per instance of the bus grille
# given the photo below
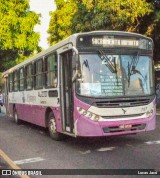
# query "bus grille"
(134, 127)
(122, 116)
(121, 103)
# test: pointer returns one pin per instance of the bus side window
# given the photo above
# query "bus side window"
(16, 80)
(11, 82)
(29, 77)
(38, 68)
(21, 79)
(50, 71)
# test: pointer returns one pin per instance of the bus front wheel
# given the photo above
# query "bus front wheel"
(52, 128)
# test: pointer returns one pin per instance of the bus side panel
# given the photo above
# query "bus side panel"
(36, 114)
(30, 113)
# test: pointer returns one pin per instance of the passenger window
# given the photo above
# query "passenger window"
(38, 74)
(29, 77)
(21, 79)
(50, 71)
(16, 80)
(11, 82)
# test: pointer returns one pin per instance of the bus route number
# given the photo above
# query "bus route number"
(111, 59)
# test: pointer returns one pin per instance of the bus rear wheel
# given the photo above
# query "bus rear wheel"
(15, 116)
(52, 128)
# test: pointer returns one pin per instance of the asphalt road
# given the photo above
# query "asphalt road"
(30, 147)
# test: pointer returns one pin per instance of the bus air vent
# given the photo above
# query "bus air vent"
(123, 116)
(121, 103)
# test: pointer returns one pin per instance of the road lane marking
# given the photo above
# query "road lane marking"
(85, 152)
(153, 142)
(106, 149)
(11, 163)
(29, 160)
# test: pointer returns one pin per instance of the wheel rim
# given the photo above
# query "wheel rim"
(52, 126)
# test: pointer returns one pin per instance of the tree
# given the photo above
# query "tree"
(141, 16)
(17, 38)
(153, 24)
(110, 15)
(0, 81)
(61, 20)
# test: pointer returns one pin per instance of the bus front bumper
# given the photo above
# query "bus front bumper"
(87, 128)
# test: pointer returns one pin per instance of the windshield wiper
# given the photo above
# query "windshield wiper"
(85, 63)
(132, 68)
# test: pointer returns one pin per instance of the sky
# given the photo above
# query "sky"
(43, 7)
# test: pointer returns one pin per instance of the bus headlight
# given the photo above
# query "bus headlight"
(88, 114)
(149, 113)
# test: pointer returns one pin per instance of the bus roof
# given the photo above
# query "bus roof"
(70, 40)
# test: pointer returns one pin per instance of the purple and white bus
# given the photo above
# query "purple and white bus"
(92, 84)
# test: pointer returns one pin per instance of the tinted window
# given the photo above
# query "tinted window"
(51, 71)
(21, 79)
(38, 74)
(29, 77)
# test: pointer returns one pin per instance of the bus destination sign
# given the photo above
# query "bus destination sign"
(114, 42)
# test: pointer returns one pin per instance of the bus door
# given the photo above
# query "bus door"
(66, 95)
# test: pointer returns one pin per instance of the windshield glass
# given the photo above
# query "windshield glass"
(115, 75)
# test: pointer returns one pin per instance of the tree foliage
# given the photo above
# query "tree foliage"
(17, 38)
(61, 20)
(141, 16)
(111, 15)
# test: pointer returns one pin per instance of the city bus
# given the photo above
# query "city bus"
(91, 84)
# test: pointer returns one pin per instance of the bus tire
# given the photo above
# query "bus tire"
(52, 128)
(15, 116)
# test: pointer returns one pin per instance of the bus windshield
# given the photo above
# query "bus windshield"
(106, 75)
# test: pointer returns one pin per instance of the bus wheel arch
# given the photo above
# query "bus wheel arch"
(51, 125)
(48, 110)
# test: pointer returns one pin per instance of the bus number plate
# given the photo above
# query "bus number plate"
(125, 126)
